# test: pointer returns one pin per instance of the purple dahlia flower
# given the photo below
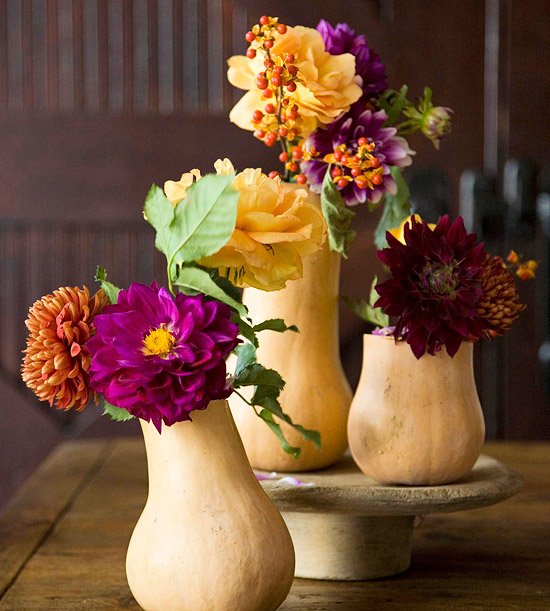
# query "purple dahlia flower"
(435, 286)
(161, 357)
(343, 39)
(386, 147)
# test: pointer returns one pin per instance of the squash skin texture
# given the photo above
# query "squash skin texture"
(317, 394)
(415, 422)
(209, 537)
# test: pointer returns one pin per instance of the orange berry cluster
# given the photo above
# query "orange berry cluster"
(525, 270)
(277, 121)
(361, 167)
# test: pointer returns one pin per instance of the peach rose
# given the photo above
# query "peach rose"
(326, 86)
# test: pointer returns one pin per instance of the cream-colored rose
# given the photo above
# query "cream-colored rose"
(326, 86)
(224, 167)
(275, 229)
(176, 191)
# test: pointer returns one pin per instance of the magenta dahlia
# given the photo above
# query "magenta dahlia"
(161, 357)
(435, 287)
(361, 151)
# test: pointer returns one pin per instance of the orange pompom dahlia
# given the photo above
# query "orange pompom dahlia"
(56, 362)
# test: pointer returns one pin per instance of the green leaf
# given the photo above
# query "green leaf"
(396, 209)
(337, 216)
(256, 374)
(274, 324)
(267, 417)
(110, 289)
(246, 355)
(366, 310)
(199, 280)
(393, 103)
(245, 329)
(159, 212)
(199, 225)
(266, 399)
(116, 413)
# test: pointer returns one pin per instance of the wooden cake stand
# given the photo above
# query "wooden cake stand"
(347, 527)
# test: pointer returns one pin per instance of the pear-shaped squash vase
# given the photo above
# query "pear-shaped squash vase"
(317, 394)
(209, 537)
(415, 422)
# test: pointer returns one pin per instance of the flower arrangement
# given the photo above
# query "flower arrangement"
(444, 287)
(159, 353)
(322, 94)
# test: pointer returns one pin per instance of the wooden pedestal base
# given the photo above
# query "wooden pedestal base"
(349, 548)
(347, 527)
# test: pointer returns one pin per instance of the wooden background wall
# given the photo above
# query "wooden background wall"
(99, 98)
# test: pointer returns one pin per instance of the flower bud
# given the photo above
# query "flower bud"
(436, 123)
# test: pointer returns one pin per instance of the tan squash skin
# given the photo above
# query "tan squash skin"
(317, 394)
(416, 422)
(209, 538)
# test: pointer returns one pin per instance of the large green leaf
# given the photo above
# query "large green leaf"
(396, 209)
(337, 216)
(199, 225)
(199, 280)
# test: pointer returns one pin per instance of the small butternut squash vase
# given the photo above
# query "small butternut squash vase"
(317, 394)
(415, 422)
(209, 537)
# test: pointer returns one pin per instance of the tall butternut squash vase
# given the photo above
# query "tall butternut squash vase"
(209, 537)
(317, 394)
(415, 422)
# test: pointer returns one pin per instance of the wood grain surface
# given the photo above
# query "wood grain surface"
(63, 541)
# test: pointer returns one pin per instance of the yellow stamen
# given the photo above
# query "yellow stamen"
(158, 342)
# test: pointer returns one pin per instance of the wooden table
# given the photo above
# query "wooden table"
(63, 541)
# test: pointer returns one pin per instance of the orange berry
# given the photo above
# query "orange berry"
(277, 69)
(362, 141)
(284, 155)
(257, 116)
(264, 20)
(342, 182)
(355, 172)
(268, 43)
(270, 109)
(293, 166)
(283, 131)
(292, 70)
(374, 162)
(338, 155)
(251, 53)
(361, 182)
(250, 37)
(291, 86)
(301, 179)
(293, 114)
(268, 63)
(261, 83)
(336, 172)
(289, 58)
(259, 133)
(297, 152)
(281, 28)
(267, 93)
(276, 80)
(376, 179)
(273, 174)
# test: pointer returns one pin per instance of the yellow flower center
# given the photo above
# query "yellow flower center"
(158, 342)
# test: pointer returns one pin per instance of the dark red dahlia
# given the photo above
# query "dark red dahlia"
(435, 287)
